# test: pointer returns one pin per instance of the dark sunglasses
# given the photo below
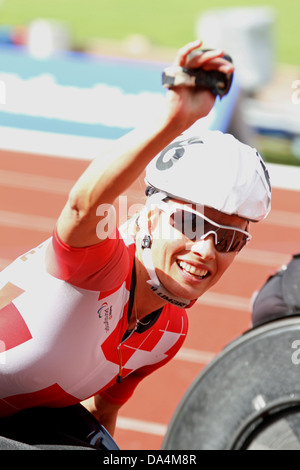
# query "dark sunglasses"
(197, 226)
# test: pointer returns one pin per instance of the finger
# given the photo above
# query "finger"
(211, 60)
(226, 69)
(222, 68)
(201, 58)
(219, 64)
(185, 51)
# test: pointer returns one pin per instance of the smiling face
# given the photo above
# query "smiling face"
(189, 268)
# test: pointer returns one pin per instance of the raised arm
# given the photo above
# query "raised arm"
(112, 173)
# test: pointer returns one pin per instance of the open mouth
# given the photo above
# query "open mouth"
(198, 273)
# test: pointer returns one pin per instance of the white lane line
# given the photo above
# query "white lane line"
(15, 179)
(262, 258)
(147, 427)
(195, 356)
(233, 302)
(26, 221)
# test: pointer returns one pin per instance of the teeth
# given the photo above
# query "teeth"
(192, 269)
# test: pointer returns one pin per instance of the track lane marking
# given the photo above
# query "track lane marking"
(15, 179)
(138, 425)
(233, 302)
(262, 258)
(27, 221)
(195, 356)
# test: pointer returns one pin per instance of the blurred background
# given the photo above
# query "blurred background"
(263, 39)
(75, 75)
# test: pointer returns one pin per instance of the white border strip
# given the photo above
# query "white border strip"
(284, 176)
(51, 144)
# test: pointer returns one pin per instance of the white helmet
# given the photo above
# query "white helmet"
(214, 170)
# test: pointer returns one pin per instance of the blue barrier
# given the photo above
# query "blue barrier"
(96, 87)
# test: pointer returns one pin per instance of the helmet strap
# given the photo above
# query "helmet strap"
(154, 282)
(157, 287)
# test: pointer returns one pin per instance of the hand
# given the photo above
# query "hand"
(192, 103)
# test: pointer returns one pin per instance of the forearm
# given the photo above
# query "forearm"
(105, 412)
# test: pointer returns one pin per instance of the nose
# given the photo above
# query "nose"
(205, 248)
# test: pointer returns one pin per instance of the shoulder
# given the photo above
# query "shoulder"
(101, 267)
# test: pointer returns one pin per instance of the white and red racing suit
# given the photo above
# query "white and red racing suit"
(63, 323)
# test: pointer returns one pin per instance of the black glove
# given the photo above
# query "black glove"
(219, 83)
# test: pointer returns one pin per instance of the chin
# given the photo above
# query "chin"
(188, 290)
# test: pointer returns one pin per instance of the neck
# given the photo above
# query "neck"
(146, 301)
